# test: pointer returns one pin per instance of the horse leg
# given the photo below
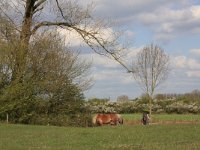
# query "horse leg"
(114, 122)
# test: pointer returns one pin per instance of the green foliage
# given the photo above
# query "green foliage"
(46, 92)
(18, 101)
(76, 120)
(23, 106)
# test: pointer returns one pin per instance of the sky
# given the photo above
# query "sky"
(174, 25)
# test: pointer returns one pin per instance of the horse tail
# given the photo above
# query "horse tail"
(94, 119)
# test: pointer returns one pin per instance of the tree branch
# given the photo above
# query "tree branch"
(84, 34)
(38, 4)
(47, 23)
(38, 9)
(60, 9)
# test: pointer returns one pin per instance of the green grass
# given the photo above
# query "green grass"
(137, 137)
(164, 117)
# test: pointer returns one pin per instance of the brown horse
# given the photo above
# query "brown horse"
(112, 119)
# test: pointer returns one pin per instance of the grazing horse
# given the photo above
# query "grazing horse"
(112, 119)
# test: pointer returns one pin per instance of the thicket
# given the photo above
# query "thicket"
(47, 91)
(167, 103)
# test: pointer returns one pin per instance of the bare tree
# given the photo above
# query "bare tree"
(151, 69)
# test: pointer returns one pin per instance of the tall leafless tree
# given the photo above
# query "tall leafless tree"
(151, 69)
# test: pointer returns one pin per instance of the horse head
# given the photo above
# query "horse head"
(120, 119)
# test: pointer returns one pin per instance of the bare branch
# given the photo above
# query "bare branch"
(152, 68)
(38, 4)
(90, 39)
(60, 9)
(14, 26)
(85, 35)
(47, 23)
(38, 9)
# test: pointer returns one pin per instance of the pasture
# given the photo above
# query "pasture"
(125, 137)
(164, 118)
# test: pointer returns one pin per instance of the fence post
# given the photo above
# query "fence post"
(7, 118)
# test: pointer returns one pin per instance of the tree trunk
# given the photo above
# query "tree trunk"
(22, 48)
(150, 108)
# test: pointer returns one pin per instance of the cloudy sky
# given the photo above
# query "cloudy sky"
(172, 24)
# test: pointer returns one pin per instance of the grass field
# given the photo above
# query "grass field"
(164, 117)
(125, 137)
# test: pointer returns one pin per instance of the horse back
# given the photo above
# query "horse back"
(112, 119)
(105, 118)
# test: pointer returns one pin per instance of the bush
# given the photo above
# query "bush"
(181, 108)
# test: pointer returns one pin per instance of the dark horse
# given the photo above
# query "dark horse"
(112, 119)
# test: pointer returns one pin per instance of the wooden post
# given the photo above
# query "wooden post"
(7, 118)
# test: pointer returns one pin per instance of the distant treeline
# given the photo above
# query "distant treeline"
(194, 95)
(162, 103)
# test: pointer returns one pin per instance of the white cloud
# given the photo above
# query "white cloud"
(107, 70)
(73, 39)
(184, 62)
(101, 61)
(172, 23)
(129, 34)
(104, 75)
(193, 74)
(163, 17)
(167, 19)
(193, 64)
(195, 12)
(185, 68)
(179, 61)
(195, 52)
(113, 75)
(164, 37)
(134, 51)
(128, 79)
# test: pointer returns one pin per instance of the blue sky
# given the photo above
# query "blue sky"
(172, 24)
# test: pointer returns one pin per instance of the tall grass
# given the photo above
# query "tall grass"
(137, 137)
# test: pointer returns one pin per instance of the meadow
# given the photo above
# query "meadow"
(124, 137)
(165, 117)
